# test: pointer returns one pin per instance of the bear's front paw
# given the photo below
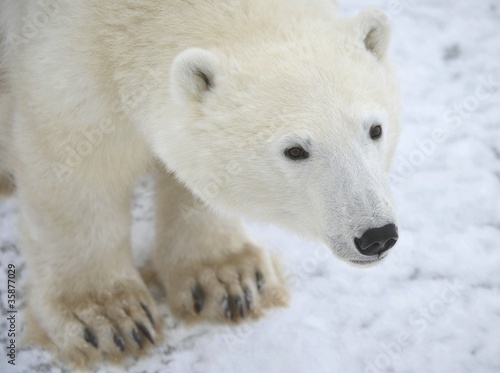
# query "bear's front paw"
(241, 285)
(109, 324)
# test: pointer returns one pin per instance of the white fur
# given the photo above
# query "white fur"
(129, 78)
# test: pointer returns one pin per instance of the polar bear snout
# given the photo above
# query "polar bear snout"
(376, 241)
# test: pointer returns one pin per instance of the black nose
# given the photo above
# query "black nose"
(377, 240)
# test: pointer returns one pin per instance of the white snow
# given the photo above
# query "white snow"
(434, 305)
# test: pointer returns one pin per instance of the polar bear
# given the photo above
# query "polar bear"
(279, 110)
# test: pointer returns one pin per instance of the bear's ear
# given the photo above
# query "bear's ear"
(375, 31)
(193, 74)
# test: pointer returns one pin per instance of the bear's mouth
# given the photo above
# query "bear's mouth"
(365, 262)
(369, 262)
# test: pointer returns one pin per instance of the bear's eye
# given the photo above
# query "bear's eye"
(296, 153)
(376, 132)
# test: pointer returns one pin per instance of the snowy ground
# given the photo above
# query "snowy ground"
(434, 305)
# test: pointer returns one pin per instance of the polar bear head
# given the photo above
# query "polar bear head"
(296, 127)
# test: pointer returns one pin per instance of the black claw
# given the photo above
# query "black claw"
(248, 298)
(145, 331)
(226, 307)
(259, 277)
(148, 313)
(239, 306)
(90, 338)
(137, 337)
(198, 297)
(119, 342)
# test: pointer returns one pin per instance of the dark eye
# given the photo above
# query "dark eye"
(376, 132)
(296, 153)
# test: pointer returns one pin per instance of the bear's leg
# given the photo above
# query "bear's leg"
(86, 300)
(207, 265)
